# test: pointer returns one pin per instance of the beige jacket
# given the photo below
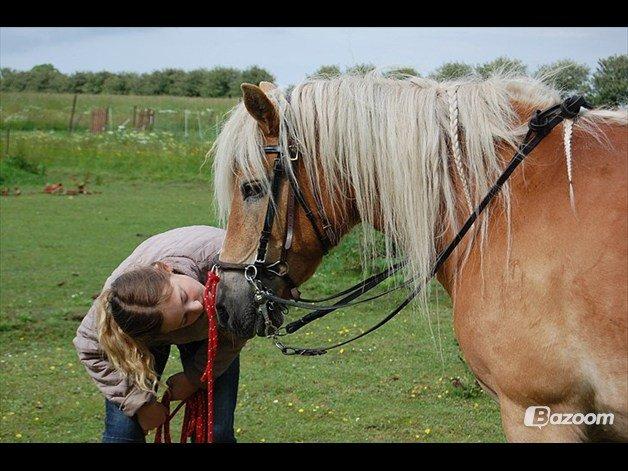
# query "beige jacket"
(189, 250)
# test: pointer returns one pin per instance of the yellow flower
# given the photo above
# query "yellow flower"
(342, 350)
(239, 430)
(52, 368)
(427, 431)
(290, 404)
(301, 410)
(18, 435)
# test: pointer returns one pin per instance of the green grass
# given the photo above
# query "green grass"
(51, 111)
(53, 156)
(57, 251)
(395, 385)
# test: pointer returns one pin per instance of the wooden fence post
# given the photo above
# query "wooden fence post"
(134, 116)
(71, 126)
(6, 142)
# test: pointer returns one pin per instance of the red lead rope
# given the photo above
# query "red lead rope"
(198, 421)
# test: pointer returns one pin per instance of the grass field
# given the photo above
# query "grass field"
(51, 111)
(404, 383)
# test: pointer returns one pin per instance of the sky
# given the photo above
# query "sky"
(290, 53)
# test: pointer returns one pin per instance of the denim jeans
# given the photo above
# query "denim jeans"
(120, 428)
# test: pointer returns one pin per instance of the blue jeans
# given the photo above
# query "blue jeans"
(120, 428)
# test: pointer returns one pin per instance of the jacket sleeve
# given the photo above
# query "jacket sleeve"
(111, 383)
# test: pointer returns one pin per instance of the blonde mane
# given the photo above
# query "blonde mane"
(394, 141)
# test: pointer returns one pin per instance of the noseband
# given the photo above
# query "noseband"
(284, 169)
(540, 125)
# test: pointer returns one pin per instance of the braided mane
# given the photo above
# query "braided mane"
(394, 140)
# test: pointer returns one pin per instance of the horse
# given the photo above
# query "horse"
(538, 287)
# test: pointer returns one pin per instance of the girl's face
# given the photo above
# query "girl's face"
(185, 304)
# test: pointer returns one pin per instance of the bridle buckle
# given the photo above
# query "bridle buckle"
(250, 273)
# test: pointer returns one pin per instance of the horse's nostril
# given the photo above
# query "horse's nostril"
(223, 315)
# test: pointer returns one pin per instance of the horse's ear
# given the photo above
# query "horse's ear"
(261, 108)
(267, 86)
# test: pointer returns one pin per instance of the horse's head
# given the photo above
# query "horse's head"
(271, 194)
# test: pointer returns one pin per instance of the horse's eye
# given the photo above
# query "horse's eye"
(252, 190)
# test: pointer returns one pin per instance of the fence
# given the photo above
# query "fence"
(186, 123)
(190, 118)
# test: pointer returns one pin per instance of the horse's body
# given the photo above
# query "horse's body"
(547, 326)
(539, 296)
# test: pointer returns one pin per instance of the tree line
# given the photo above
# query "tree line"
(216, 82)
(606, 85)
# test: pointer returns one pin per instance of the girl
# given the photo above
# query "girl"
(151, 301)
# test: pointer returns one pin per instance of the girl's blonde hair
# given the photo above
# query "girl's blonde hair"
(128, 314)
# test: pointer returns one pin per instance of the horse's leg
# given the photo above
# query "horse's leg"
(516, 431)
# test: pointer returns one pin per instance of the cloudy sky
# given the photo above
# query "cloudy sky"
(291, 53)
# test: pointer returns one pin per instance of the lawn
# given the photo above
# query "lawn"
(404, 383)
(51, 111)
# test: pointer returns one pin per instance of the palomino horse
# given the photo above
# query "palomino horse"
(538, 287)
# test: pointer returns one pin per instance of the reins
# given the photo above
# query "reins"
(540, 125)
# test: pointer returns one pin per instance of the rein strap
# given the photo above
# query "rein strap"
(540, 125)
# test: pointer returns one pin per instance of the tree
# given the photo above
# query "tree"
(402, 72)
(610, 81)
(566, 75)
(196, 82)
(77, 81)
(501, 65)
(12, 80)
(45, 78)
(452, 71)
(95, 81)
(255, 75)
(360, 69)
(222, 82)
(114, 86)
(326, 71)
(175, 82)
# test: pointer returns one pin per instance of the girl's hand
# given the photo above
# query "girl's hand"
(180, 388)
(151, 415)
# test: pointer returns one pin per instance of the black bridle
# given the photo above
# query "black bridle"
(540, 125)
(283, 168)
